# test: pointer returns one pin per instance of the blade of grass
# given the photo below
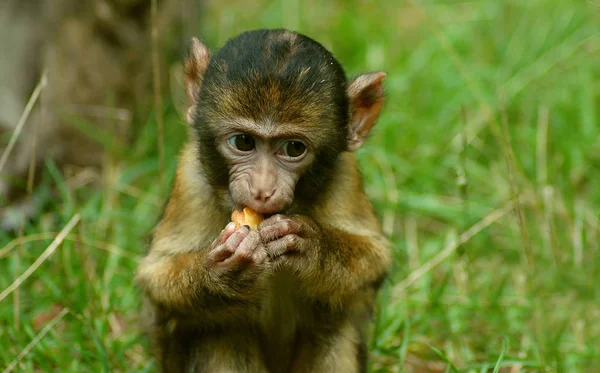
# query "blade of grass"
(501, 357)
(51, 324)
(450, 248)
(30, 180)
(45, 255)
(403, 351)
(157, 90)
(32, 100)
(512, 167)
(451, 366)
(96, 244)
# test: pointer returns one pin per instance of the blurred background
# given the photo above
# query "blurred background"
(484, 169)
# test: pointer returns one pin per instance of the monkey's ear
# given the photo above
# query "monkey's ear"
(194, 68)
(366, 98)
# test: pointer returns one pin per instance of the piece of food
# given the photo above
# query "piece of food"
(247, 217)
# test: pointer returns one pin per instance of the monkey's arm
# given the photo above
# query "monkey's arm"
(202, 283)
(345, 262)
(331, 263)
(339, 248)
(187, 270)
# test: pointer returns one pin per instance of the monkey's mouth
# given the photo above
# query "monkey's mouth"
(263, 212)
(267, 215)
(266, 210)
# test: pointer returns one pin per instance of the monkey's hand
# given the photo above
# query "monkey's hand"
(288, 238)
(219, 283)
(332, 265)
(236, 261)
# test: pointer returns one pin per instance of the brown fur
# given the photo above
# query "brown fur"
(298, 314)
(336, 288)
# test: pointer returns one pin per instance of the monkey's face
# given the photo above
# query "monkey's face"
(272, 112)
(271, 150)
(271, 117)
(265, 163)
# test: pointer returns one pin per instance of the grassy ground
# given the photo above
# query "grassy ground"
(491, 127)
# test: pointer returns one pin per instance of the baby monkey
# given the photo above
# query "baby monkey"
(273, 126)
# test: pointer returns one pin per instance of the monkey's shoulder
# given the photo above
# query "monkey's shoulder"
(345, 201)
(192, 216)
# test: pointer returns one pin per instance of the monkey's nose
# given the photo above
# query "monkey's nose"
(263, 195)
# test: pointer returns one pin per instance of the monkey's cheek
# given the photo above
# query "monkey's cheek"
(239, 194)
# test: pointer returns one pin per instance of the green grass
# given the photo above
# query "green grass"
(488, 102)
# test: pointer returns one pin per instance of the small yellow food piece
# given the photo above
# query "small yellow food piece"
(247, 217)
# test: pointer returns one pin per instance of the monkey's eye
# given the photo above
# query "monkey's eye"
(244, 143)
(293, 149)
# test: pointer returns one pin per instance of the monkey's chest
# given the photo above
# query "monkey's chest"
(282, 315)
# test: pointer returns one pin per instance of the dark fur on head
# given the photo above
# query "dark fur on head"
(281, 76)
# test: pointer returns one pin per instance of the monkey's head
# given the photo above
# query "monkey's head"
(271, 112)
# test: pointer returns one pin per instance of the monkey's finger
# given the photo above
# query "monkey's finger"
(260, 255)
(225, 234)
(280, 229)
(245, 251)
(282, 246)
(272, 220)
(220, 253)
(228, 231)
(237, 237)
(250, 243)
